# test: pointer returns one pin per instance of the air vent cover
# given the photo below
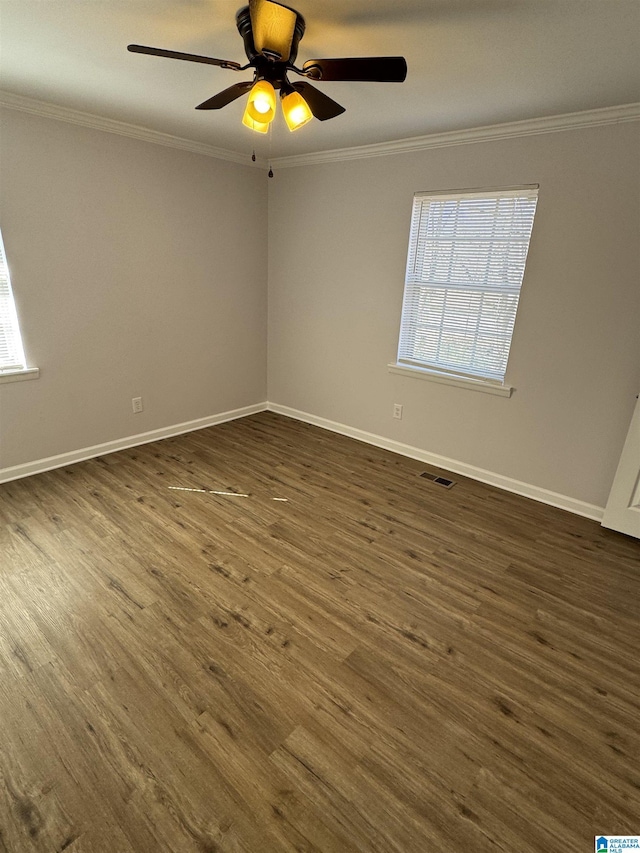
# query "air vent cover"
(440, 481)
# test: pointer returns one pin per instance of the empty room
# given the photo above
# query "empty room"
(319, 426)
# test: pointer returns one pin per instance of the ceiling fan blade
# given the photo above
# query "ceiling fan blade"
(320, 104)
(190, 57)
(226, 96)
(373, 69)
(273, 26)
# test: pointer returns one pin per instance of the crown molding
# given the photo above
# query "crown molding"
(509, 130)
(528, 127)
(108, 125)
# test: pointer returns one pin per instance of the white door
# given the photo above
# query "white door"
(623, 507)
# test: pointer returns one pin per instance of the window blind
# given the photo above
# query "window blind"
(466, 261)
(11, 352)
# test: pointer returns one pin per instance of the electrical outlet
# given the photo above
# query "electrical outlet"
(136, 404)
(397, 411)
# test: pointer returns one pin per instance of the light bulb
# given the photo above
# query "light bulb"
(261, 104)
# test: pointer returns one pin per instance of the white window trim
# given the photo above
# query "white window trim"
(439, 373)
(484, 385)
(19, 374)
(18, 371)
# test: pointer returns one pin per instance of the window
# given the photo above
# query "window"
(12, 358)
(467, 254)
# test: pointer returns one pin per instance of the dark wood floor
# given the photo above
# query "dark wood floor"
(349, 658)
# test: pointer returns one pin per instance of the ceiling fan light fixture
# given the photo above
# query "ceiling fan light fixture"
(295, 110)
(261, 105)
(271, 33)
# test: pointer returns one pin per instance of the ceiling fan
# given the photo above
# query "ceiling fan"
(271, 33)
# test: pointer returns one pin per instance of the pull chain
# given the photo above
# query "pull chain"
(254, 158)
(270, 173)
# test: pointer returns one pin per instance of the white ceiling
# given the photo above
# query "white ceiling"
(471, 63)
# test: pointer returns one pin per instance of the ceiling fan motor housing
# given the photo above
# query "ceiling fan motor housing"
(243, 23)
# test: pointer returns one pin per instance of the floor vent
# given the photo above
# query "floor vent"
(441, 481)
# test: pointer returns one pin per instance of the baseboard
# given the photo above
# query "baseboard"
(507, 483)
(40, 465)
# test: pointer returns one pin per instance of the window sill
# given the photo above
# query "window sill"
(483, 385)
(19, 375)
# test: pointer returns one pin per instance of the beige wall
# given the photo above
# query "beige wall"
(138, 270)
(338, 237)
